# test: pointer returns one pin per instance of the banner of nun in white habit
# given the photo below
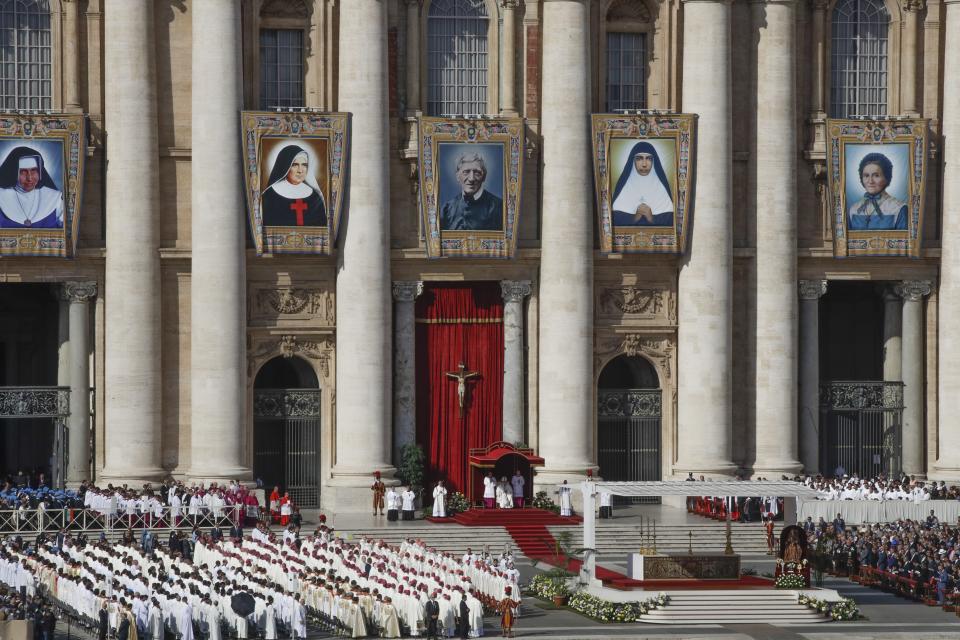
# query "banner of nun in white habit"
(877, 178)
(471, 174)
(41, 179)
(295, 173)
(643, 169)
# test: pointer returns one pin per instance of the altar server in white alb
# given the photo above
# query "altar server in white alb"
(440, 500)
(407, 498)
(489, 490)
(29, 198)
(566, 499)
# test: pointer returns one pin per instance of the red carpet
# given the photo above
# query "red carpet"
(528, 528)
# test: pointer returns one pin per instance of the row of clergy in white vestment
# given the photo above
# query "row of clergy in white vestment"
(130, 504)
(403, 579)
(878, 490)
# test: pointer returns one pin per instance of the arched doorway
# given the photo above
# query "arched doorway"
(628, 421)
(286, 429)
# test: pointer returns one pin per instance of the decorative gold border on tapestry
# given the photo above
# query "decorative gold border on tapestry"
(70, 131)
(883, 134)
(681, 128)
(508, 132)
(334, 128)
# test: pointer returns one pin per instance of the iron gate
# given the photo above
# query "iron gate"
(23, 403)
(286, 442)
(628, 438)
(861, 427)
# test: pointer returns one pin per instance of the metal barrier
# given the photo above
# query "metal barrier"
(36, 521)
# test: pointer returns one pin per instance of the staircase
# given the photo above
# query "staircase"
(708, 537)
(742, 607)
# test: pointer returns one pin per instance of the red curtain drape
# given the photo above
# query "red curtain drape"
(458, 323)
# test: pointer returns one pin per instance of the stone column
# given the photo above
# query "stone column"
(809, 423)
(818, 76)
(566, 262)
(514, 291)
(78, 296)
(776, 262)
(909, 105)
(364, 383)
(948, 295)
(892, 318)
(508, 62)
(914, 435)
(413, 78)
(71, 57)
(218, 295)
(132, 273)
(705, 354)
(404, 365)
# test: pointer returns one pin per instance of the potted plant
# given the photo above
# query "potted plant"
(410, 470)
(559, 585)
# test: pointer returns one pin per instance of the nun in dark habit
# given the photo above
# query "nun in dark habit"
(292, 197)
(642, 196)
(29, 198)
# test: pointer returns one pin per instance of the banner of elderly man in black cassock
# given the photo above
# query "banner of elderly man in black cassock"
(295, 179)
(877, 175)
(470, 184)
(41, 176)
(643, 169)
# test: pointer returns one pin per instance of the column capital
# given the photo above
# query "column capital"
(914, 5)
(412, 3)
(811, 289)
(820, 5)
(914, 290)
(509, 4)
(78, 291)
(514, 290)
(407, 291)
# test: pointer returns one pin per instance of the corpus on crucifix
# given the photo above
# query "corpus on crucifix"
(461, 375)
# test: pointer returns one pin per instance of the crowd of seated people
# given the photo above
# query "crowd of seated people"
(357, 589)
(169, 504)
(917, 559)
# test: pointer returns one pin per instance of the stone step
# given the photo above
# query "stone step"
(723, 607)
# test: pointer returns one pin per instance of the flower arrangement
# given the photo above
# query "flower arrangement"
(844, 609)
(547, 587)
(542, 501)
(606, 611)
(790, 581)
(457, 503)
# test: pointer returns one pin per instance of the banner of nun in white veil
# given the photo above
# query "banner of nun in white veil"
(877, 177)
(295, 173)
(471, 174)
(41, 180)
(643, 167)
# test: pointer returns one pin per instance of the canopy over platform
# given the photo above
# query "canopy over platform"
(487, 457)
(501, 458)
(715, 488)
(787, 489)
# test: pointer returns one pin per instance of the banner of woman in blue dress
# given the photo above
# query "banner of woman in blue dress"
(643, 171)
(41, 171)
(471, 173)
(877, 173)
(295, 179)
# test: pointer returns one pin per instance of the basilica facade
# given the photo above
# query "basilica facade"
(755, 351)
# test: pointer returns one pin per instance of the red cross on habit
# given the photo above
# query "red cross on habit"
(299, 207)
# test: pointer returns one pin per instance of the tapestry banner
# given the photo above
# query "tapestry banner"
(295, 172)
(877, 173)
(41, 183)
(470, 183)
(643, 169)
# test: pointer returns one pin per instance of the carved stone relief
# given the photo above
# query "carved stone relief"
(657, 349)
(294, 303)
(320, 351)
(651, 305)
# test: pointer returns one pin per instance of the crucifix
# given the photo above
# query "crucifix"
(299, 207)
(461, 376)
